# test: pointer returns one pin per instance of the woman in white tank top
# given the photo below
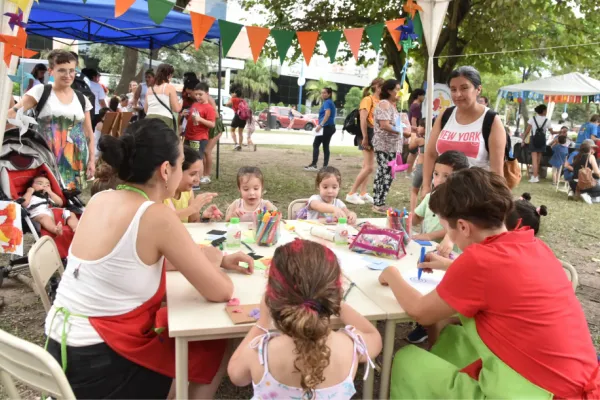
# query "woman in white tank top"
(463, 130)
(106, 326)
(161, 99)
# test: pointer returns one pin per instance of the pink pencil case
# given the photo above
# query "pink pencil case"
(387, 243)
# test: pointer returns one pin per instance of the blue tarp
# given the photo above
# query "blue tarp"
(95, 22)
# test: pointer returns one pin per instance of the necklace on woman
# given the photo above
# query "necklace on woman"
(133, 189)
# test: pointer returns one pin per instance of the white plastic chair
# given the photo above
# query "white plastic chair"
(296, 206)
(31, 365)
(44, 261)
(562, 181)
(571, 274)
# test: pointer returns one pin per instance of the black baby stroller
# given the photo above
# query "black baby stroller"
(22, 159)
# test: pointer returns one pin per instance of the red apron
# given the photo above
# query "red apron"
(141, 336)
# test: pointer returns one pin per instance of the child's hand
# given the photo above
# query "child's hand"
(48, 190)
(239, 213)
(351, 217)
(203, 199)
(421, 236)
(386, 275)
(30, 190)
(434, 261)
(212, 212)
(339, 213)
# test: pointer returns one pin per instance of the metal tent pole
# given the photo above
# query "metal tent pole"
(219, 99)
(150, 67)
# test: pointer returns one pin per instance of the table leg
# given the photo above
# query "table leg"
(181, 368)
(368, 384)
(388, 352)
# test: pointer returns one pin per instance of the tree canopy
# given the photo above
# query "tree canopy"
(471, 26)
(255, 79)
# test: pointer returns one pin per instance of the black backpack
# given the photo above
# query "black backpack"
(46, 94)
(81, 86)
(352, 123)
(486, 130)
(539, 136)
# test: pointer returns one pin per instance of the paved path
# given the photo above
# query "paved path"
(283, 136)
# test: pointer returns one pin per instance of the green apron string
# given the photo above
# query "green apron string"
(63, 337)
(133, 189)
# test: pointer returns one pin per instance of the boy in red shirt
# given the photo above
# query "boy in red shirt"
(200, 119)
(514, 302)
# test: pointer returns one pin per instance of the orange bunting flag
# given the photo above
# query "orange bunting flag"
(257, 36)
(307, 42)
(15, 46)
(410, 7)
(121, 7)
(392, 25)
(201, 24)
(354, 37)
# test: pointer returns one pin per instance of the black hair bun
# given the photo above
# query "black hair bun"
(543, 210)
(526, 196)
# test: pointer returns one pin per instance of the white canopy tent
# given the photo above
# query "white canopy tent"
(573, 84)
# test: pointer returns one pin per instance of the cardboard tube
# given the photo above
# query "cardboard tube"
(323, 233)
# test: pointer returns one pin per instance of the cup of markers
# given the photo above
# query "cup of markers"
(399, 221)
(266, 227)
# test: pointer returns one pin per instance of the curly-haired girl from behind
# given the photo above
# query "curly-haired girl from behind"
(304, 358)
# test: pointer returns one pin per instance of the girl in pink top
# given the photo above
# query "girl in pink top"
(305, 359)
(250, 183)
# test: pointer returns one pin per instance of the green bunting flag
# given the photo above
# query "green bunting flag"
(158, 10)
(418, 27)
(332, 42)
(283, 41)
(229, 32)
(375, 33)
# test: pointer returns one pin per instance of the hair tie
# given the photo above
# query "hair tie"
(313, 306)
(537, 210)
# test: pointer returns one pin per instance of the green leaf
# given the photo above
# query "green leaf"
(375, 33)
(283, 41)
(332, 42)
(229, 32)
(158, 10)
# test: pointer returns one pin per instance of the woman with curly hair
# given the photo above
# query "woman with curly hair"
(308, 359)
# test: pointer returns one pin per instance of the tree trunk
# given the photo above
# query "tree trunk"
(130, 61)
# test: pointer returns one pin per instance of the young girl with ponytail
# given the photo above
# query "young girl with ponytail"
(305, 358)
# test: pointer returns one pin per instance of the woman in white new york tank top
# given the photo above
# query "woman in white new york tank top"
(107, 326)
(161, 99)
(463, 130)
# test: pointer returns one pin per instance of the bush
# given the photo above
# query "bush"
(280, 104)
(352, 99)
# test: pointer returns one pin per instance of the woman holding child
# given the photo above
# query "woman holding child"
(105, 324)
(513, 300)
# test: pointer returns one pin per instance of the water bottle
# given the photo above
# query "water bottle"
(234, 234)
(341, 232)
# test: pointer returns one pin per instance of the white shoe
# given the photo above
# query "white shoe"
(596, 199)
(586, 197)
(367, 198)
(570, 195)
(205, 180)
(534, 179)
(354, 199)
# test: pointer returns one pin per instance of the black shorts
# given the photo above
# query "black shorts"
(358, 139)
(198, 145)
(98, 372)
(237, 122)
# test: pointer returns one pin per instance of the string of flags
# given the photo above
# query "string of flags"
(518, 97)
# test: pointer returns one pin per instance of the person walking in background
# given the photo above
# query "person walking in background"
(358, 193)
(39, 73)
(327, 126)
(237, 122)
(99, 93)
(537, 127)
(291, 116)
(139, 98)
(589, 130)
(414, 116)
(161, 99)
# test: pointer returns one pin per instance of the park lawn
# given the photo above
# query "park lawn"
(570, 229)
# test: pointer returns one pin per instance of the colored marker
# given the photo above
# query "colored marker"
(421, 260)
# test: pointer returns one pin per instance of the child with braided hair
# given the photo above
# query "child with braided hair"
(307, 358)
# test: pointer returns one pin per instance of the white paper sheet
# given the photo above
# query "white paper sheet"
(349, 262)
(426, 284)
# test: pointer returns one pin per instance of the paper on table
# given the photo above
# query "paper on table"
(378, 265)
(258, 265)
(213, 237)
(426, 284)
(248, 237)
(349, 262)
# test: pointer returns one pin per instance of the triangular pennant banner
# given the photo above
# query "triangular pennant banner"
(418, 27)
(392, 25)
(332, 42)
(374, 33)
(257, 36)
(158, 10)
(307, 42)
(229, 32)
(121, 7)
(283, 41)
(354, 37)
(432, 19)
(410, 7)
(201, 24)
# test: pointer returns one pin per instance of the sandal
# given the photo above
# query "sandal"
(380, 209)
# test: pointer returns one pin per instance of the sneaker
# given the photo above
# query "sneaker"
(418, 335)
(380, 209)
(586, 197)
(311, 168)
(205, 179)
(534, 179)
(596, 199)
(367, 198)
(354, 198)
(570, 195)
(238, 148)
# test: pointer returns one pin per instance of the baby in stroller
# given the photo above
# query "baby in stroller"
(37, 200)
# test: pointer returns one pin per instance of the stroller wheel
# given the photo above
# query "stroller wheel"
(2, 272)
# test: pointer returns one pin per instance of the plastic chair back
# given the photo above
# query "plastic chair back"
(571, 274)
(44, 261)
(296, 206)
